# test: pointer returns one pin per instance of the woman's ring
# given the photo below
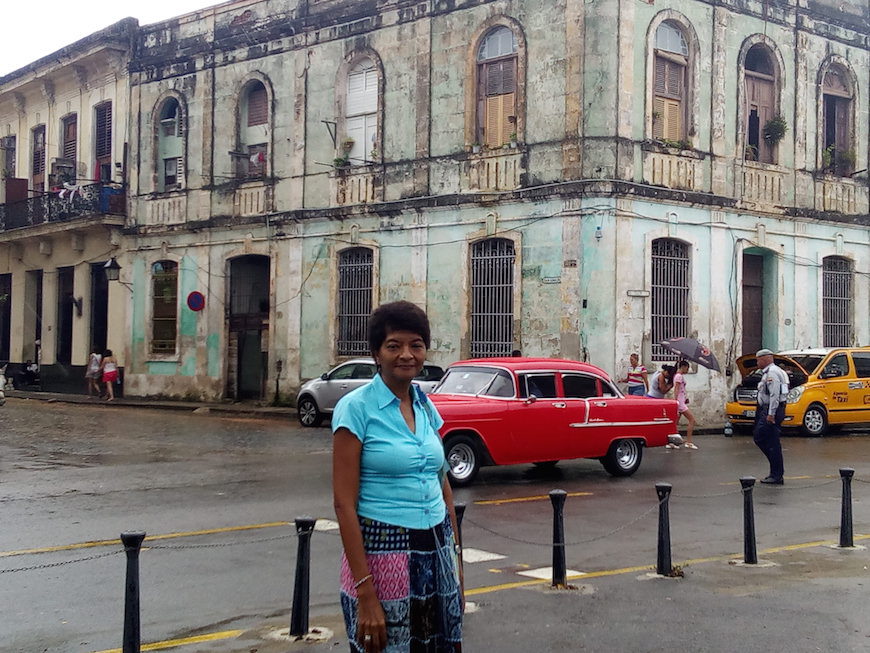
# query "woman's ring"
(367, 638)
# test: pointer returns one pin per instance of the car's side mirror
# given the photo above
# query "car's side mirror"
(324, 377)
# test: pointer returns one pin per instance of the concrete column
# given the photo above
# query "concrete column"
(119, 299)
(422, 102)
(49, 316)
(718, 130)
(81, 336)
(20, 326)
(571, 165)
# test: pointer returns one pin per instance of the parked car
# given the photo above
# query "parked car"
(828, 388)
(317, 397)
(507, 411)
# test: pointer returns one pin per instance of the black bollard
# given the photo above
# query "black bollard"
(132, 634)
(750, 556)
(663, 561)
(557, 498)
(460, 513)
(846, 473)
(299, 614)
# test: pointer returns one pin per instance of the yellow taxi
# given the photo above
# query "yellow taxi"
(828, 388)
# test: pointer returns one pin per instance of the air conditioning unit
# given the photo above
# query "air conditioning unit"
(62, 171)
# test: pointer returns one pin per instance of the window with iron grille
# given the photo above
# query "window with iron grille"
(669, 294)
(837, 284)
(39, 150)
(492, 297)
(355, 271)
(164, 317)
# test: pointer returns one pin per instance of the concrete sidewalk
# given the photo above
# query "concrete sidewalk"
(229, 407)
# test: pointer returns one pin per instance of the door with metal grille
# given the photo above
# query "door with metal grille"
(248, 337)
(669, 294)
(355, 275)
(492, 297)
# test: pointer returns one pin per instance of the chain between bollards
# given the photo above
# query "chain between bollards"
(664, 567)
(132, 542)
(299, 614)
(560, 572)
(750, 555)
(846, 540)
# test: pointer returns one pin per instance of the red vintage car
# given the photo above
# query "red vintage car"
(506, 411)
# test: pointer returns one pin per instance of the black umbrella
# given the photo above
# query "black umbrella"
(692, 350)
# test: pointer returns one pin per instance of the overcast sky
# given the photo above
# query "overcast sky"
(34, 29)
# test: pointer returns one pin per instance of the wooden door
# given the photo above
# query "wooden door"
(753, 302)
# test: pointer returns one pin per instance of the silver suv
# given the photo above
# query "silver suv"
(317, 397)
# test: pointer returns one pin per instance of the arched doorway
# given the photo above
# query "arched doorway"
(248, 327)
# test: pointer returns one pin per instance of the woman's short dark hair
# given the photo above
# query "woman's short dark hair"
(107, 353)
(397, 316)
(683, 363)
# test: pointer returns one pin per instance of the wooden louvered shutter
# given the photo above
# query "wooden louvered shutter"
(673, 120)
(659, 86)
(258, 111)
(70, 138)
(104, 130)
(493, 128)
(658, 117)
(179, 172)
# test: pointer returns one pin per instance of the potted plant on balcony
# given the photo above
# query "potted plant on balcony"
(774, 130)
(475, 147)
(347, 145)
(513, 140)
(340, 162)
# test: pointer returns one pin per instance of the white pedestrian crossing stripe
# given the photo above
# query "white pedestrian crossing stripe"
(546, 573)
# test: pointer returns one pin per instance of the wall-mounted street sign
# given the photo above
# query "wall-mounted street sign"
(196, 301)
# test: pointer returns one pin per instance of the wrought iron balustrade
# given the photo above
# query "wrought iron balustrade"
(62, 206)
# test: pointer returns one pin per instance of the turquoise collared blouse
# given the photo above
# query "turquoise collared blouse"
(400, 480)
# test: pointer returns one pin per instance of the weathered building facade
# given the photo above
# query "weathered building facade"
(567, 178)
(63, 133)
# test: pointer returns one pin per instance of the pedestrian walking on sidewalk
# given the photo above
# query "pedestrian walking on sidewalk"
(401, 571)
(92, 372)
(683, 404)
(109, 371)
(661, 382)
(772, 391)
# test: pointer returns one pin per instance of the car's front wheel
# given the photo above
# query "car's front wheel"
(463, 456)
(623, 458)
(815, 422)
(309, 414)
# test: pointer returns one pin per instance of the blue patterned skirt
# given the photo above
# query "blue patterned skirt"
(416, 579)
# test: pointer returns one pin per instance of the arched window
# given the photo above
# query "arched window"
(492, 297)
(361, 115)
(670, 293)
(355, 279)
(164, 303)
(497, 87)
(761, 105)
(670, 83)
(254, 132)
(838, 153)
(837, 284)
(170, 147)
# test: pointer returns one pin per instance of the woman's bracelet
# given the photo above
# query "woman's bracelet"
(362, 580)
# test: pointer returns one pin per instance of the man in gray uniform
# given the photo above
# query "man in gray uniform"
(772, 391)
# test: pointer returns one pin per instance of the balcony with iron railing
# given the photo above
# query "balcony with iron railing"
(62, 206)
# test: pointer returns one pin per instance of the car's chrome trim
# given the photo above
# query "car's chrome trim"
(654, 422)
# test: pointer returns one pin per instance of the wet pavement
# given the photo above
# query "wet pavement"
(77, 473)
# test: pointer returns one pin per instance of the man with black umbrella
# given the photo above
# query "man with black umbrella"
(772, 391)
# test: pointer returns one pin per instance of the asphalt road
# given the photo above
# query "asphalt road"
(70, 475)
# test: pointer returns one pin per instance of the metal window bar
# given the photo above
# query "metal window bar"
(355, 270)
(837, 295)
(164, 283)
(670, 294)
(492, 297)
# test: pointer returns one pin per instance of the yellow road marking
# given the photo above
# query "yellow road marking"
(171, 643)
(149, 538)
(541, 497)
(633, 570)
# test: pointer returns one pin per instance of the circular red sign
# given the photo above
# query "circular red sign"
(196, 301)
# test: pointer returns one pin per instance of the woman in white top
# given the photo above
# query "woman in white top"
(92, 372)
(109, 367)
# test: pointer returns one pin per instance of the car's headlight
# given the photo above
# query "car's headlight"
(794, 394)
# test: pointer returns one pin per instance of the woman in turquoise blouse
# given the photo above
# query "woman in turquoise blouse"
(401, 573)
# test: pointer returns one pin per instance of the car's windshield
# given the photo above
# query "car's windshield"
(476, 380)
(808, 361)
